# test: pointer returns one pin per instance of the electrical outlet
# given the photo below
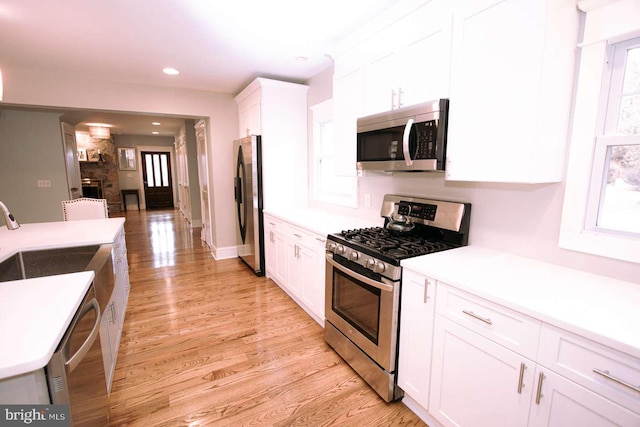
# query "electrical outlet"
(44, 183)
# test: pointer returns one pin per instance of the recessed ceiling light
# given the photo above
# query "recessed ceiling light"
(302, 58)
(155, 133)
(156, 123)
(170, 71)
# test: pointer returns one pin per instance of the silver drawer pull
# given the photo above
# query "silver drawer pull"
(319, 239)
(608, 376)
(475, 316)
(297, 235)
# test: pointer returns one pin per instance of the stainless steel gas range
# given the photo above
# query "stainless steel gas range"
(363, 281)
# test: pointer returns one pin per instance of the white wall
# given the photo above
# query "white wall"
(516, 218)
(26, 87)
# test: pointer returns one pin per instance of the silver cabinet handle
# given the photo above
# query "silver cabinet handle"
(608, 376)
(297, 235)
(539, 394)
(320, 239)
(426, 286)
(521, 379)
(475, 316)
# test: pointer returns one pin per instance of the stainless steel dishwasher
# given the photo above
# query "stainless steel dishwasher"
(76, 371)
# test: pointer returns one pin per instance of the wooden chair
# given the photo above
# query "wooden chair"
(84, 208)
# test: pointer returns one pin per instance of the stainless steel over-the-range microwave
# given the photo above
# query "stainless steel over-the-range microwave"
(409, 139)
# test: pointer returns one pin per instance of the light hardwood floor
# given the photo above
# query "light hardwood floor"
(207, 343)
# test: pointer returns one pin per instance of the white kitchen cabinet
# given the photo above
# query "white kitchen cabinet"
(476, 382)
(277, 111)
(275, 249)
(249, 117)
(511, 88)
(413, 59)
(295, 261)
(400, 58)
(416, 337)
(608, 373)
(113, 314)
(559, 402)
(306, 262)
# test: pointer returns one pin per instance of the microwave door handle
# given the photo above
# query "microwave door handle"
(405, 143)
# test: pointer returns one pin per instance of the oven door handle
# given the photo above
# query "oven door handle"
(364, 279)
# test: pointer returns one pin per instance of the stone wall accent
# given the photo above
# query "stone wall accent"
(105, 170)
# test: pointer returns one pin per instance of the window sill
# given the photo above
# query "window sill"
(624, 248)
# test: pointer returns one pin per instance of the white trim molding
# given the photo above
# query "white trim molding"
(607, 21)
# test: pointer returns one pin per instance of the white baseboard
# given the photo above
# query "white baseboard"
(224, 253)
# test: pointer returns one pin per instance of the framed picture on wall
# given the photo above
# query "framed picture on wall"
(127, 159)
(82, 154)
(93, 155)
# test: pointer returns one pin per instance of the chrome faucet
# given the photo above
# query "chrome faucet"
(12, 223)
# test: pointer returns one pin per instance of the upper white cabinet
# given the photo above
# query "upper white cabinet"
(507, 67)
(410, 60)
(277, 111)
(511, 87)
(400, 58)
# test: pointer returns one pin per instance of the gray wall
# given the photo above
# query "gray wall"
(30, 150)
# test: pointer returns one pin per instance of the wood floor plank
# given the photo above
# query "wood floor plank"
(207, 343)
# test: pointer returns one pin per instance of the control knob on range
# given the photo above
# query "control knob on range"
(332, 246)
(339, 250)
(376, 266)
(354, 255)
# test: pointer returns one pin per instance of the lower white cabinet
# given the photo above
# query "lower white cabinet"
(468, 361)
(559, 402)
(295, 260)
(476, 382)
(275, 249)
(306, 265)
(416, 336)
(113, 314)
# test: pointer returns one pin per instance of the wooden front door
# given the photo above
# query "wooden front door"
(156, 172)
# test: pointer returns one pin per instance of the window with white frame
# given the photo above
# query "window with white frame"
(327, 186)
(601, 211)
(614, 198)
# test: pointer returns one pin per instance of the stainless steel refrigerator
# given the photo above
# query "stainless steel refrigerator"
(248, 198)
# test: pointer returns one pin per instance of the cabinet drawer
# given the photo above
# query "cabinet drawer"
(497, 323)
(606, 371)
(304, 237)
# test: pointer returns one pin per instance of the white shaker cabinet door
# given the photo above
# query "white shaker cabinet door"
(476, 382)
(511, 80)
(559, 402)
(416, 335)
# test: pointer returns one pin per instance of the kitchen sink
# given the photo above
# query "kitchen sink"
(50, 262)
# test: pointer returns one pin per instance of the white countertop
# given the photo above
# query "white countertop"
(602, 309)
(59, 234)
(322, 222)
(35, 313)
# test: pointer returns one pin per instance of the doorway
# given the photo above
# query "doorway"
(156, 178)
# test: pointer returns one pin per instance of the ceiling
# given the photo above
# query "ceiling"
(217, 46)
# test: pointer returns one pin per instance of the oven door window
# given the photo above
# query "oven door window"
(357, 303)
